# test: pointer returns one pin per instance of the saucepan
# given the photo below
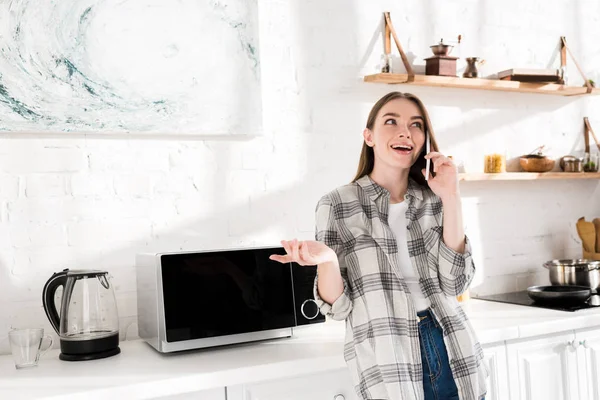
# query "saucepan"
(574, 281)
(574, 272)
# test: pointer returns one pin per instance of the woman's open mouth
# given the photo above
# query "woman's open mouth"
(402, 149)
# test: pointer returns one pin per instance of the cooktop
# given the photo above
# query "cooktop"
(521, 298)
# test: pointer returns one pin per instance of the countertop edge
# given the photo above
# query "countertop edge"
(195, 382)
(494, 323)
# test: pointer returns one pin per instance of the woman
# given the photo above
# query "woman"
(392, 256)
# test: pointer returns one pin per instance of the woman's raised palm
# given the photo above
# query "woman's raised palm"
(307, 252)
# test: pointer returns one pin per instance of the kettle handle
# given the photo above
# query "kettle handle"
(56, 280)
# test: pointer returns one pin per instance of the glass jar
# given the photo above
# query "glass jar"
(590, 162)
(386, 63)
(572, 164)
(494, 163)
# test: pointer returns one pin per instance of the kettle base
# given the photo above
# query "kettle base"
(90, 349)
(89, 356)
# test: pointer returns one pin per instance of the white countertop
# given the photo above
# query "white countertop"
(496, 322)
(140, 372)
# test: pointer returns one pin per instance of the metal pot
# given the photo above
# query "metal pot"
(577, 272)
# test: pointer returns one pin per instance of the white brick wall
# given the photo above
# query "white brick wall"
(86, 201)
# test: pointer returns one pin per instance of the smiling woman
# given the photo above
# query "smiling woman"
(392, 256)
(113, 66)
(414, 117)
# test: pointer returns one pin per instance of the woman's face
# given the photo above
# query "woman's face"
(398, 134)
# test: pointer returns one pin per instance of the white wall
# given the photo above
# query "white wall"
(76, 201)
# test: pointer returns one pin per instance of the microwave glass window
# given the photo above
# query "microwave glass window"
(225, 293)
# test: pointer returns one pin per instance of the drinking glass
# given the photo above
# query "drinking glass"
(26, 346)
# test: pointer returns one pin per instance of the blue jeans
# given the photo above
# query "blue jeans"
(438, 382)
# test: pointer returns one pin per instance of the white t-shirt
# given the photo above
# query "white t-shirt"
(397, 221)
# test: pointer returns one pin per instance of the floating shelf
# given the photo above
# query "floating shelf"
(527, 176)
(481, 84)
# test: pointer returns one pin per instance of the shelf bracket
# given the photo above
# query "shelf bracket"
(587, 130)
(389, 30)
(563, 63)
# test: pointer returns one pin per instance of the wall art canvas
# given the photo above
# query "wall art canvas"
(150, 66)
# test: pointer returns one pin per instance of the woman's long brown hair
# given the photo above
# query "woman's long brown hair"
(367, 156)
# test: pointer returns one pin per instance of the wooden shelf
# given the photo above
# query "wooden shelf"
(527, 176)
(481, 84)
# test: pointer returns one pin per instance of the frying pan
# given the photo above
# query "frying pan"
(559, 294)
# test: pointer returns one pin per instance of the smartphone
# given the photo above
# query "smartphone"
(428, 162)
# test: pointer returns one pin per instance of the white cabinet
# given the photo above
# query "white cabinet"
(588, 353)
(544, 368)
(497, 382)
(212, 394)
(335, 385)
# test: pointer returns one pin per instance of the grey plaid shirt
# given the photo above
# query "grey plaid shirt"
(382, 337)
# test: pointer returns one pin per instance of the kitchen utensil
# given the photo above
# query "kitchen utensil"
(571, 164)
(471, 69)
(441, 49)
(596, 222)
(88, 325)
(441, 66)
(587, 234)
(559, 294)
(536, 163)
(26, 346)
(577, 272)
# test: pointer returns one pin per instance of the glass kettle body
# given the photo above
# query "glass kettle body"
(88, 323)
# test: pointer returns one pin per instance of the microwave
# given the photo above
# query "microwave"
(198, 299)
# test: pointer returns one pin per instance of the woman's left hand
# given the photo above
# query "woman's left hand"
(445, 182)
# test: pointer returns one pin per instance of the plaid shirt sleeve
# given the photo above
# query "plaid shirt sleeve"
(328, 233)
(455, 270)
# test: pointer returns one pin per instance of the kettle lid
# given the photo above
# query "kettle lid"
(84, 272)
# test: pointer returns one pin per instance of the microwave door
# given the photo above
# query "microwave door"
(223, 293)
(307, 311)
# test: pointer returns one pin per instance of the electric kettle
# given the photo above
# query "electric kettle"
(88, 323)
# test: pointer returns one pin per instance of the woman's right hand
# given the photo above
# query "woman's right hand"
(307, 252)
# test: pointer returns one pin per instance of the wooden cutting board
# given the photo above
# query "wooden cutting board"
(587, 233)
(596, 222)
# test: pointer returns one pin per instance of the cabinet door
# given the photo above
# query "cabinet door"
(589, 353)
(497, 382)
(543, 368)
(335, 385)
(212, 394)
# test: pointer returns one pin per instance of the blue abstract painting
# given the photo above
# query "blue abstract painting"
(164, 66)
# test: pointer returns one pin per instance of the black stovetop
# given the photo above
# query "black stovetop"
(521, 298)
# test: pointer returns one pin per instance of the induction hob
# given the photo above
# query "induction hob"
(521, 298)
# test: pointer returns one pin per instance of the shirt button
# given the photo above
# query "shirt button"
(433, 306)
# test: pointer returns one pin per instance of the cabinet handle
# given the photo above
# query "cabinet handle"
(339, 397)
(574, 344)
(584, 344)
